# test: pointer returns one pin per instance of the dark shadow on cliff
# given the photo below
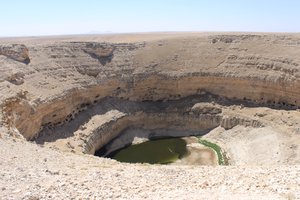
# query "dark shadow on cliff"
(182, 105)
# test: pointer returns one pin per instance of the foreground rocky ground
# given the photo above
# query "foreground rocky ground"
(63, 98)
(30, 172)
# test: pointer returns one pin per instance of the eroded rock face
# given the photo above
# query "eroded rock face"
(16, 78)
(229, 122)
(245, 87)
(66, 77)
(18, 52)
(206, 108)
(101, 52)
(99, 124)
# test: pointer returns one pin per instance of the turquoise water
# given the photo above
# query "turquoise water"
(161, 151)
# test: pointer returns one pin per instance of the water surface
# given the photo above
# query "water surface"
(161, 151)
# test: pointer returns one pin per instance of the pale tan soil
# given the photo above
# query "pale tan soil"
(79, 92)
(197, 154)
(32, 172)
(277, 143)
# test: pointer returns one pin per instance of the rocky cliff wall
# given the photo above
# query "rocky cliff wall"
(32, 117)
(63, 78)
(101, 129)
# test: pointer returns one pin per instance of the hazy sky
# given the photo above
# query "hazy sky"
(52, 17)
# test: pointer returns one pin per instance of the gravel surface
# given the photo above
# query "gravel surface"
(29, 171)
(67, 74)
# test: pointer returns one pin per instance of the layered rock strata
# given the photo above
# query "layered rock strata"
(65, 77)
(17, 52)
(78, 92)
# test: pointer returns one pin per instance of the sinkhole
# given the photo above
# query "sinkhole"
(159, 147)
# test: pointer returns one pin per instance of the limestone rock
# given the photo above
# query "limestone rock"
(17, 78)
(18, 52)
(79, 93)
(139, 140)
(229, 122)
(101, 52)
(206, 108)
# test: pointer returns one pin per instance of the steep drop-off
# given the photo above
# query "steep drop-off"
(47, 83)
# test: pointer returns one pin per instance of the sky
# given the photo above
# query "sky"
(63, 17)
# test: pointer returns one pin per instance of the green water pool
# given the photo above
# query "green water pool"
(160, 151)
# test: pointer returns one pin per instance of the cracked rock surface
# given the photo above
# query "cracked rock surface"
(65, 97)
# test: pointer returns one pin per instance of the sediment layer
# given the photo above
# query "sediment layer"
(76, 93)
(64, 78)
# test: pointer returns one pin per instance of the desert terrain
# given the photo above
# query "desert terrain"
(63, 98)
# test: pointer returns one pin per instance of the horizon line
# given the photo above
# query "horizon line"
(145, 32)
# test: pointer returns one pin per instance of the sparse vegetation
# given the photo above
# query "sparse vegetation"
(222, 159)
